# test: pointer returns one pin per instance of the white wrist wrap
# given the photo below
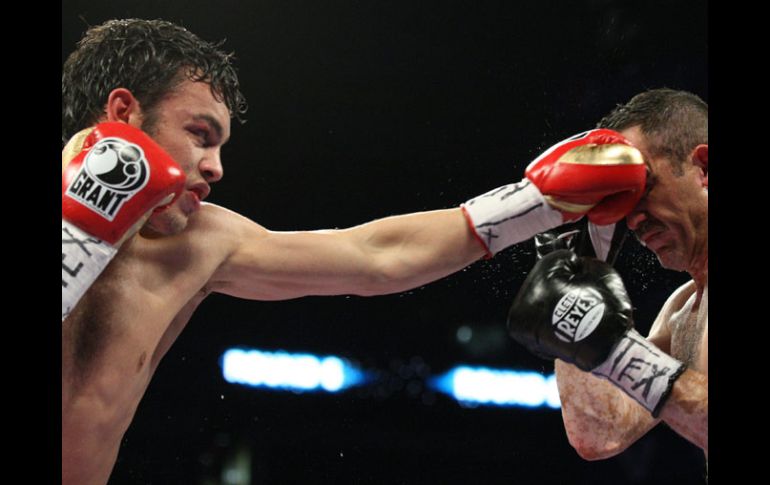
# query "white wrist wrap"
(601, 239)
(510, 214)
(641, 370)
(83, 258)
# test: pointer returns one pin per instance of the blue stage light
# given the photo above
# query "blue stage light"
(473, 386)
(291, 372)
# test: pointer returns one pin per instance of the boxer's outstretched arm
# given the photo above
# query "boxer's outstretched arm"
(597, 173)
(384, 256)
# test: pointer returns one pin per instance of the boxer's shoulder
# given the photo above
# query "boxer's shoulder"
(682, 297)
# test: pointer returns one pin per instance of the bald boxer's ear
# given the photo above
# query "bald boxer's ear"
(123, 106)
(700, 158)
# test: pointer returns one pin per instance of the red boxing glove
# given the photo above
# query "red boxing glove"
(598, 173)
(113, 177)
(119, 176)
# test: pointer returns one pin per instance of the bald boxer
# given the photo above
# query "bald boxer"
(614, 384)
(122, 310)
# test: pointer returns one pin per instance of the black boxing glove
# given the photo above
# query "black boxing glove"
(577, 309)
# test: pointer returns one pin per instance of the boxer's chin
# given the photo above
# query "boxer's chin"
(167, 222)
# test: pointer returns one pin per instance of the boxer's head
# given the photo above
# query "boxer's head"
(159, 77)
(670, 128)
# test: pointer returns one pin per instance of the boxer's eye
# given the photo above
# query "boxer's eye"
(202, 135)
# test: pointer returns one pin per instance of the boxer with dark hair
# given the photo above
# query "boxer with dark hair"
(148, 106)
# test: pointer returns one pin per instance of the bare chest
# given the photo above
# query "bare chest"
(128, 319)
(689, 334)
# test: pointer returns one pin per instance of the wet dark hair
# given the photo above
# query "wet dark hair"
(147, 57)
(673, 122)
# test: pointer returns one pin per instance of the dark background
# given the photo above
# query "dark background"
(360, 110)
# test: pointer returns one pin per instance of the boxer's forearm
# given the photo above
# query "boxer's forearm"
(687, 409)
(601, 421)
(414, 249)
